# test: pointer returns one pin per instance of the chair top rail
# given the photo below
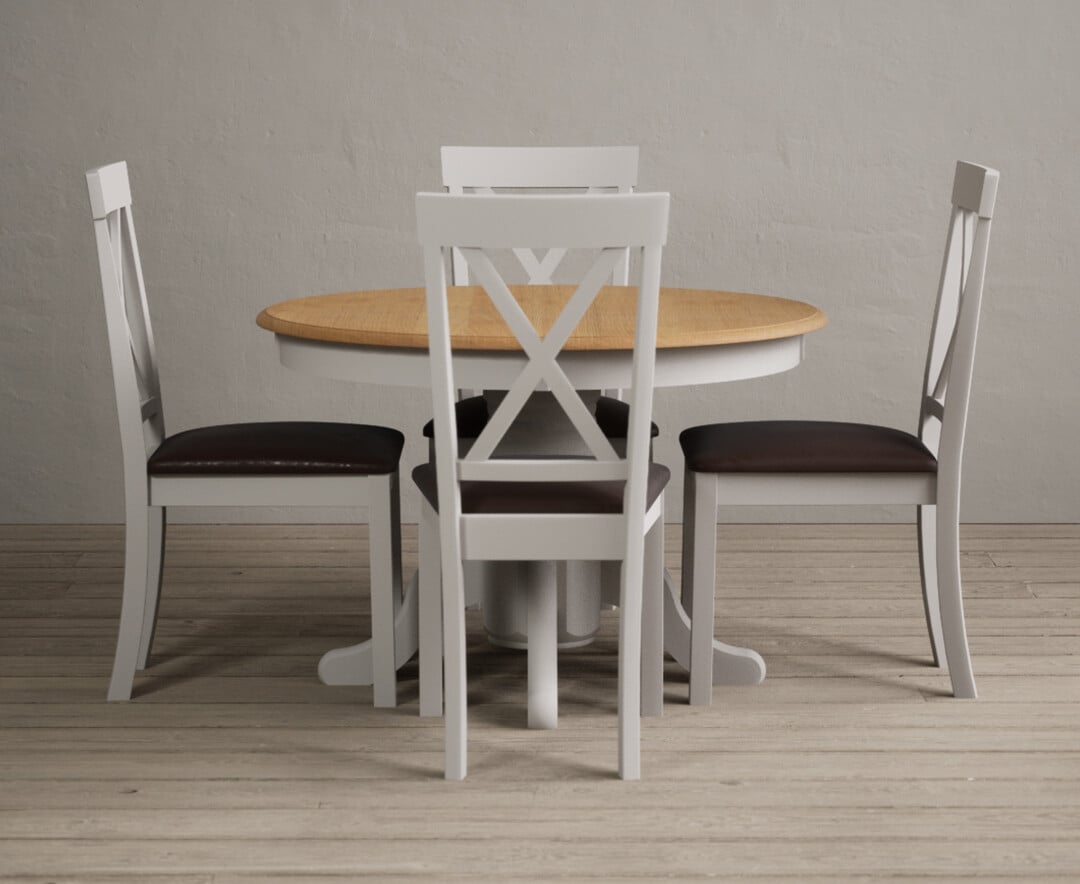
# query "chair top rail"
(507, 221)
(109, 189)
(975, 188)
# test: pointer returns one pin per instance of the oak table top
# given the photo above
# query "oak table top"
(398, 318)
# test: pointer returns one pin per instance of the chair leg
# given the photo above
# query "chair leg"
(430, 615)
(384, 532)
(133, 606)
(156, 520)
(652, 623)
(687, 563)
(699, 523)
(926, 525)
(538, 580)
(630, 662)
(453, 617)
(951, 597)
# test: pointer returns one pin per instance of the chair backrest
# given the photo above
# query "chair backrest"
(131, 339)
(951, 355)
(487, 170)
(476, 224)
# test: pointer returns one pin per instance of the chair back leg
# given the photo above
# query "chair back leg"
(134, 603)
(652, 623)
(154, 560)
(430, 614)
(456, 718)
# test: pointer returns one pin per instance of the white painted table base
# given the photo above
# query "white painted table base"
(732, 665)
(354, 665)
(675, 367)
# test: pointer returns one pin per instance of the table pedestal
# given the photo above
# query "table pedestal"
(506, 609)
(542, 606)
(732, 665)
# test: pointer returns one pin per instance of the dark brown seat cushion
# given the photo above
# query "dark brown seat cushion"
(279, 448)
(803, 447)
(472, 417)
(540, 497)
(612, 415)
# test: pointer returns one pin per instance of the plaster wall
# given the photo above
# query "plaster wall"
(275, 148)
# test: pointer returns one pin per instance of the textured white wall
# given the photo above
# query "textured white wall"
(275, 148)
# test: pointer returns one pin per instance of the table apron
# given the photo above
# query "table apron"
(493, 370)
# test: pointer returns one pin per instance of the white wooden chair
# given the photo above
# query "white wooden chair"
(488, 170)
(821, 462)
(253, 464)
(481, 506)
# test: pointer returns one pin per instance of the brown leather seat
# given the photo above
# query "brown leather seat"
(279, 448)
(612, 415)
(803, 447)
(540, 497)
(472, 417)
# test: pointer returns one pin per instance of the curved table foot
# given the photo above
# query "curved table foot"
(353, 665)
(731, 665)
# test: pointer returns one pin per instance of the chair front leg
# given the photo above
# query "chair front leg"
(538, 581)
(156, 520)
(926, 525)
(384, 532)
(699, 522)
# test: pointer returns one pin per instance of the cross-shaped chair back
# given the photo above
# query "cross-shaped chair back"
(131, 339)
(473, 225)
(487, 170)
(951, 355)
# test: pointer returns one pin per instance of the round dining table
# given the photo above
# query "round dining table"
(380, 337)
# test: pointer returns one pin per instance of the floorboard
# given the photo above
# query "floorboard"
(234, 765)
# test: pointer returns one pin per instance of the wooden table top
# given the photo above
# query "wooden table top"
(398, 318)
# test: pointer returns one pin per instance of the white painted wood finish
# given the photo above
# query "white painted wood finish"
(142, 429)
(586, 369)
(611, 224)
(941, 427)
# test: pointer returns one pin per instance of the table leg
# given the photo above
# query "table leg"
(732, 665)
(354, 665)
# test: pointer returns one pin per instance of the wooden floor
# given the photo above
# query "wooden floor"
(234, 764)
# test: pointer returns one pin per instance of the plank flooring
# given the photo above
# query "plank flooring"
(234, 765)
